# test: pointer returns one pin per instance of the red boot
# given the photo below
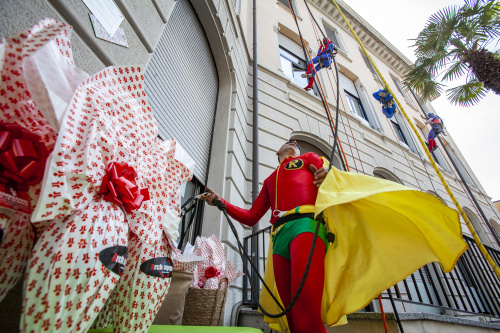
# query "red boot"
(308, 73)
(310, 84)
(432, 145)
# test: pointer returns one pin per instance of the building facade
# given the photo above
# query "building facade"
(199, 84)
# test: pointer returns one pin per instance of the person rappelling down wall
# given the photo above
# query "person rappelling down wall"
(322, 60)
(372, 234)
(389, 106)
(437, 128)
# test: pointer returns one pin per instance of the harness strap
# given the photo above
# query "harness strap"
(290, 217)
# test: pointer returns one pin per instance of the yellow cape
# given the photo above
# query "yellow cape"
(384, 232)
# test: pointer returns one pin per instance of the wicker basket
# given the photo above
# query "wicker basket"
(205, 307)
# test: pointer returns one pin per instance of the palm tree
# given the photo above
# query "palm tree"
(452, 44)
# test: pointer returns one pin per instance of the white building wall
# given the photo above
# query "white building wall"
(286, 109)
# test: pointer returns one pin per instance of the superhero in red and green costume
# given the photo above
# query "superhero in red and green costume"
(381, 236)
(290, 188)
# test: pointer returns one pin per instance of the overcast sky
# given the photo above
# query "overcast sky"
(476, 130)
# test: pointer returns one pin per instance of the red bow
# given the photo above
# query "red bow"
(22, 156)
(211, 272)
(118, 186)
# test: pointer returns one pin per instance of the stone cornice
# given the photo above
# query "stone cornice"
(372, 40)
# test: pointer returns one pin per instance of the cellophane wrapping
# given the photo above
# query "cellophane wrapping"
(210, 272)
(108, 120)
(38, 80)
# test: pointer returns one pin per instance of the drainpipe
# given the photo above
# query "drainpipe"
(255, 145)
(255, 133)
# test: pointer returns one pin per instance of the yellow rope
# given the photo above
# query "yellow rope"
(459, 208)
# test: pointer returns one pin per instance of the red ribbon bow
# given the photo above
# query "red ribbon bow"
(118, 186)
(22, 156)
(211, 272)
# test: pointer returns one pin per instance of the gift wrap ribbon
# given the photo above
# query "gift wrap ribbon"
(29, 137)
(118, 186)
(22, 156)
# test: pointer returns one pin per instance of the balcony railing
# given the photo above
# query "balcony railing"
(472, 288)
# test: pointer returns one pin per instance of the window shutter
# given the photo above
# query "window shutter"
(182, 85)
(348, 85)
(291, 46)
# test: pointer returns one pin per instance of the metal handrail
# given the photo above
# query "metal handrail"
(470, 288)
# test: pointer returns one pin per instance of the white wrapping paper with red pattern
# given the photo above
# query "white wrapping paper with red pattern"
(187, 262)
(66, 284)
(212, 249)
(105, 317)
(15, 248)
(35, 63)
(231, 273)
(108, 120)
(137, 296)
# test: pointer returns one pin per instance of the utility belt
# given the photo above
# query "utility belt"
(291, 217)
(287, 218)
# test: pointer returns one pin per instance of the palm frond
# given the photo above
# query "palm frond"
(467, 94)
(442, 46)
(455, 71)
(419, 79)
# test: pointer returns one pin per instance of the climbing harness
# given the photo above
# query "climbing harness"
(334, 128)
(387, 101)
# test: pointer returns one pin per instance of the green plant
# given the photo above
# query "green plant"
(453, 44)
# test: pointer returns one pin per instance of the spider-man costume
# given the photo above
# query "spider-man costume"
(289, 186)
(437, 128)
(323, 59)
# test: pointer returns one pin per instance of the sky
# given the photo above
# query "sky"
(475, 130)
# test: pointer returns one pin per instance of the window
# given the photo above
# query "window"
(292, 3)
(333, 35)
(237, 6)
(399, 132)
(293, 66)
(354, 101)
(386, 174)
(478, 225)
(355, 105)
(402, 132)
(191, 222)
(399, 86)
(306, 147)
(370, 66)
(460, 167)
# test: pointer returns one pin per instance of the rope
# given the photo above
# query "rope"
(403, 151)
(333, 90)
(350, 128)
(345, 130)
(421, 158)
(317, 81)
(222, 207)
(441, 177)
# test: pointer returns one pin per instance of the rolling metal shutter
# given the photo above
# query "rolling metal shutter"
(182, 85)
